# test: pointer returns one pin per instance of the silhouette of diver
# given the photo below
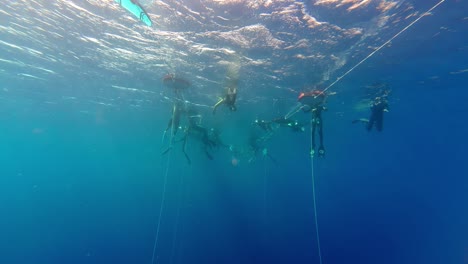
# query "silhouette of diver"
(229, 98)
(313, 102)
(268, 126)
(178, 86)
(257, 145)
(378, 107)
(263, 124)
(178, 108)
(258, 138)
(209, 138)
(260, 132)
(287, 122)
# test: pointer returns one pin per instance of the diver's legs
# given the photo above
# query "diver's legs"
(321, 148)
(320, 131)
(371, 122)
(312, 151)
(207, 153)
(379, 122)
(169, 125)
(184, 150)
(167, 150)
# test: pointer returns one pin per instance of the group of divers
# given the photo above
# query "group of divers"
(312, 102)
(309, 102)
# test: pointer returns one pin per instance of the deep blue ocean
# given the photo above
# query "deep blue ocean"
(83, 110)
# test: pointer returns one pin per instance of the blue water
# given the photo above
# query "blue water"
(82, 175)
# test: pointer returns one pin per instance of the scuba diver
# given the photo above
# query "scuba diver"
(378, 107)
(179, 106)
(178, 109)
(269, 126)
(258, 138)
(265, 125)
(261, 132)
(209, 138)
(257, 145)
(196, 130)
(229, 98)
(313, 102)
(287, 122)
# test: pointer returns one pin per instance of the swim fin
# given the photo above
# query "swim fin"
(321, 152)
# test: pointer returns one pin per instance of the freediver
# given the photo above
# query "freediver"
(258, 138)
(295, 125)
(263, 124)
(179, 106)
(314, 102)
(256, 145)
(229, 98)
(209, 138)
(269, 126)
(378, 107)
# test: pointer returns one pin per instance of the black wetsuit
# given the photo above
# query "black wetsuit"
(208, 140)
(177, 110)
(317, 122)
(376, 117)
(230, 101)
(265, 125)
(286, 122)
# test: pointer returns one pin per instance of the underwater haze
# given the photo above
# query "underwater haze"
(91, 171)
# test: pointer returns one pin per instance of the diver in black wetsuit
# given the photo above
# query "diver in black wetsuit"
(257, 144)
(229, 99)
(313, 102)
(295, 125)
(179, 107)
(174, 122)
(209, 138)
(269, 126)
(317, 122)
(378, 107)
(265, 125)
